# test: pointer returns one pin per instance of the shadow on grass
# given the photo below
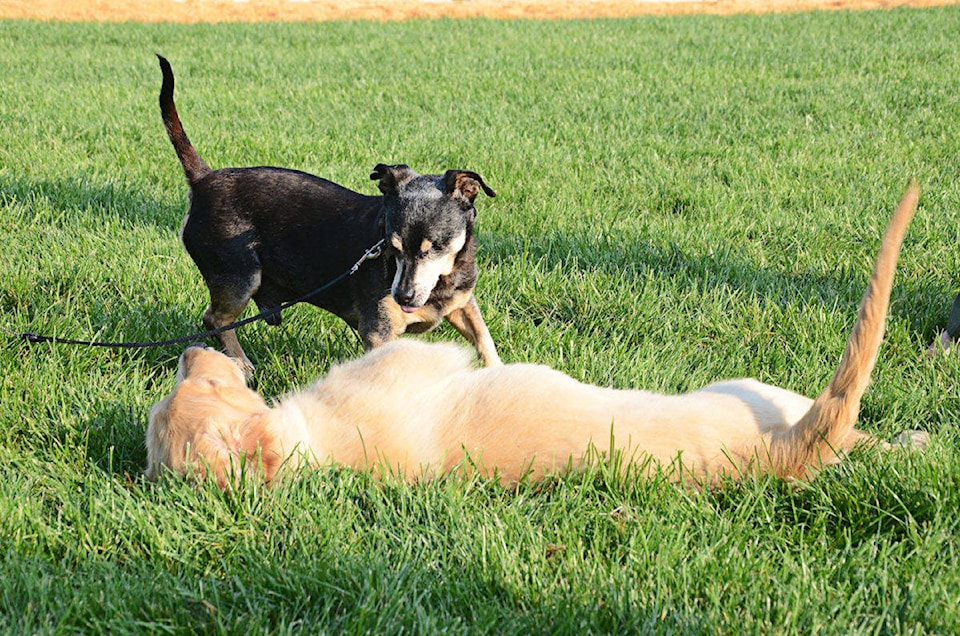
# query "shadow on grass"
(91, 201)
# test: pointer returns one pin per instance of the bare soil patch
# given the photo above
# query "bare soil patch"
(318, 10)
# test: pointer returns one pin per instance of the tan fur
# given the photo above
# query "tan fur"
(418, 409)
(226, 416)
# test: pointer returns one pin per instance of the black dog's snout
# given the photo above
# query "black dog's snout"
(404, 296)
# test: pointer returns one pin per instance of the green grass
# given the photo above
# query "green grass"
(679, 200)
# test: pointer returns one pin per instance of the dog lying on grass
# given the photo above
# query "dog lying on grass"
(417, 410)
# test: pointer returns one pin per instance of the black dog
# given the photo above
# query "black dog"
(274, 235)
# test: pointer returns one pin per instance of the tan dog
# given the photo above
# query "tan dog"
(418, 409)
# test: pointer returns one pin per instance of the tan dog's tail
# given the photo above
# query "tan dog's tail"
(824, 429)
(193, 166)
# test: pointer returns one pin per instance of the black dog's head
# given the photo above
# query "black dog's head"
(428, 220)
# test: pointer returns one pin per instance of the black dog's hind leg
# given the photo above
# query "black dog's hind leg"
(228, 299)
(265, 303)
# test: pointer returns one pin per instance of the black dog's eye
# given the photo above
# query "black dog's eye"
(429, 247)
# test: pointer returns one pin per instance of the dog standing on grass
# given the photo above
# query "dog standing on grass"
(275, 235)
(418, 409)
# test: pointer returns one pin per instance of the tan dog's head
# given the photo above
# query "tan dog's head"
(211, 425)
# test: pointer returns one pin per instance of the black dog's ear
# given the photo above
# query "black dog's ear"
(466, 183)
(392, 177)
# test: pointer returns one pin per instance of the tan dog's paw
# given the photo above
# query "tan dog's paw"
(912, 440)
(941, 345)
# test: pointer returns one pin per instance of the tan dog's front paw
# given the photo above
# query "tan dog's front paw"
(912, 440)
(941, 345)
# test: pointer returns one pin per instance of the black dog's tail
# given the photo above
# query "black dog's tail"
(193, 166)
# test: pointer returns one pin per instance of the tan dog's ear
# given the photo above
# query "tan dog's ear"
(239, 449)
(260, 437)
(187, 359)
(201, 361)
(157, 446)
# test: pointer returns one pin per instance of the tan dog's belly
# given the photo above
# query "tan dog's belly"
(416, 408)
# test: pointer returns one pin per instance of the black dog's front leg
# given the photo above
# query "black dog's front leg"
(469, 322)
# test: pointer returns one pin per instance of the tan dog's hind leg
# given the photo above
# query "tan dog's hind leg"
(911, 440)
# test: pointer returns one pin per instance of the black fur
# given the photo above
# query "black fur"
(274, 234)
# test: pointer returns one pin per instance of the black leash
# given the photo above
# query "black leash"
(370, 254)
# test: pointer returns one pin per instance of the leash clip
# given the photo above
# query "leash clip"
(374, 252)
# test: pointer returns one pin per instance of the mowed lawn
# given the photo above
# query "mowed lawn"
(679, 200)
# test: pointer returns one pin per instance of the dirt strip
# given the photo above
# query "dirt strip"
(192, 11)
